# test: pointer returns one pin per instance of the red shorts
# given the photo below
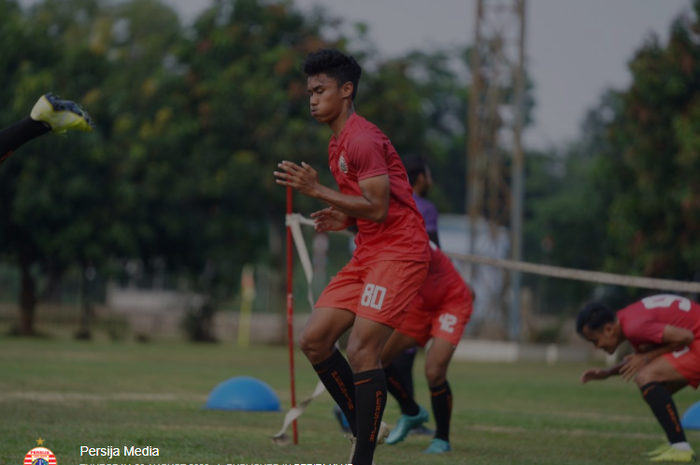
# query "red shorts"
(687, 362)
(445, 320)
(379, 291)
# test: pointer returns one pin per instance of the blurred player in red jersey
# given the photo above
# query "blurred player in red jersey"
(439, 312)
(372, 292)
(421, 181)
(664, 331)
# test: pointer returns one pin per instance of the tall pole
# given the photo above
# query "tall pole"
(474, 190)
(495, 187)
(517, 176)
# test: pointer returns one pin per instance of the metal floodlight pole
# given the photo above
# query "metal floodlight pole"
(518, 189)
(474, 191)
(495, 191)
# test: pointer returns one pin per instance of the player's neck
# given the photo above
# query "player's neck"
(338, 124)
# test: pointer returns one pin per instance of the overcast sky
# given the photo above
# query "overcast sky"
(575, 49)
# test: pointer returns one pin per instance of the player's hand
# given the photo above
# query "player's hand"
(594, 374)
(633, 363)
(329, 219)
(302, 178)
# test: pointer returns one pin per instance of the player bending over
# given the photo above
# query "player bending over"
(371, 293)
(440, 311)
(49, 114)
(664, 330)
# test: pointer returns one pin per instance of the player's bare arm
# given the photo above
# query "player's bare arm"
(599, 374)
(372, 205)
(674, 339)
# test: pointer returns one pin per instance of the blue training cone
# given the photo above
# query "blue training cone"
(243, 393)
(691, 417)
(342, 419)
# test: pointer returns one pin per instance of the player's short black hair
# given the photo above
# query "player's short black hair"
(334, 64)
(415, 165)
(594, 316)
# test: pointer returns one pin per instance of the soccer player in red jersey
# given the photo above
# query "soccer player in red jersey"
(440, 311)
(664, 331)
(372, 292)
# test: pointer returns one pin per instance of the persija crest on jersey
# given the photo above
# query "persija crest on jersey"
(343, 163)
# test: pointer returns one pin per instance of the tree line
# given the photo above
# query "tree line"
(192, 120)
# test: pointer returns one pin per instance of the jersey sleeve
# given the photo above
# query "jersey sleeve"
(366, 154)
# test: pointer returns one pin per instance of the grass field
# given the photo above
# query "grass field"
(103, 394)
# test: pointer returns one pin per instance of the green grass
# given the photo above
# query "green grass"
(103, 394)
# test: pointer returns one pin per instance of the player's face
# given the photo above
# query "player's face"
(326, 97)
(428, 181)
(604, 338)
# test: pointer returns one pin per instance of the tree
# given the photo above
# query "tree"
(654, 159)
(191, 125)
(420, 101)
(68, 201)
(33, 69)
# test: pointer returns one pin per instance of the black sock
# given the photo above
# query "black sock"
(441, 400)
(370, 395)
(404, 364)
(335, 373)
(396, 387)
(12, 137)
(657, 396)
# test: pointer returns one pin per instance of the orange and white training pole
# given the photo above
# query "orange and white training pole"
(290, 310)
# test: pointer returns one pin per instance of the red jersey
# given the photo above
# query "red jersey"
(442, 307)
(361, 152)
(643, 322)
(443, 280)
